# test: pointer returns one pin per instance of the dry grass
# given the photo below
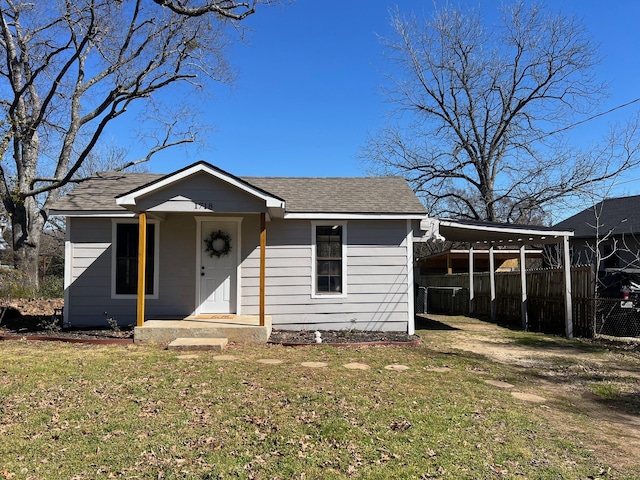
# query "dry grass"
(70, 411)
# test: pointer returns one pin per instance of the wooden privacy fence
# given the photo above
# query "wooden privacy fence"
(545, 298)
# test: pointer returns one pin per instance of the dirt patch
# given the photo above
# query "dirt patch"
(592, 387)
(42, 318)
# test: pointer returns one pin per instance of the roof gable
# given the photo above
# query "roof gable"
(130, 199)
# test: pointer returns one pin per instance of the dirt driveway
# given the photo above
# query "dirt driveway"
(592, 388)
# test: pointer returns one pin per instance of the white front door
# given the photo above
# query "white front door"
(218, 275)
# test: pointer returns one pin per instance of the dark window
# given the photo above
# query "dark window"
(329, 259)
(127, 258)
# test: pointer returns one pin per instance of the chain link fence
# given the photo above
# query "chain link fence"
(445, 300)
(617, 318)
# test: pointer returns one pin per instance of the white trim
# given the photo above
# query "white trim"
(68, 272)
(314, 280)
(508, 229)
(492, 282)
(568, 303)
(130, 200)
(523, 288)
(156, 260)
(238, 220)
(411, 325)
(525, 235)
(352, 216)
(92, 213)
(287, 216)
(472, 292)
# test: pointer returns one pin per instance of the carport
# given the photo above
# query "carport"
(507, 235)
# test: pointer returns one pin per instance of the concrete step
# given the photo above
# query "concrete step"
(215, 344)
(163, 332)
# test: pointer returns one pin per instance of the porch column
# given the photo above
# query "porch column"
(472, 292)
(523, 288)
(142, 265)
(568, 305)
(492, 283)
(263, 250)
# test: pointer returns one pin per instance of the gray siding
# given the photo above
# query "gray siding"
(377, 288)
(90, 287)
(90, 301)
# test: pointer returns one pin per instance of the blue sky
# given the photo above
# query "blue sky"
(308, 86)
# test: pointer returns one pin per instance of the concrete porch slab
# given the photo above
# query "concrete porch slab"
(181, 344)
(228, 318)
(239, 329)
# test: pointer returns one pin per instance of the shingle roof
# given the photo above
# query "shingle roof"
(375, 195)
(342, 194)
(100, 191)
(622, 215)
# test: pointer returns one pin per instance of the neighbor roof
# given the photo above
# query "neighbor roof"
(374, 195)
(620, 215)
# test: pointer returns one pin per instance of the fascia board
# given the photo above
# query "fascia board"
(352, 216)
(509, 230)
(91, 213)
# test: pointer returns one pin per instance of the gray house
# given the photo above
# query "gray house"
(304, 253)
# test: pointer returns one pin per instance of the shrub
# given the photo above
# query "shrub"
(12, 285)
(52, 287)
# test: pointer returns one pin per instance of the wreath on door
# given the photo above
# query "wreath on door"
(218, 244)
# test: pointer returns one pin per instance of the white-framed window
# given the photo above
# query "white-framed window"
(124, 258)
(329, 267)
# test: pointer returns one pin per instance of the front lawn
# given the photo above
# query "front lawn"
(86, 412)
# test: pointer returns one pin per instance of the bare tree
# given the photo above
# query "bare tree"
(223, 8)
(482, 110)
(70, 69)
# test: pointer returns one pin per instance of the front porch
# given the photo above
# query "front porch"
(233, 328)
(230, 235)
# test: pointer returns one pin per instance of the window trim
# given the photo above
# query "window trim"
(156, 258)
(314, 260)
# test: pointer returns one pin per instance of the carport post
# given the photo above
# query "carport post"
(472, 292)
(568, 306)
(492, 281)
(523, 283)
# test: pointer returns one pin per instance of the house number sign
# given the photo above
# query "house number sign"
(203, 206)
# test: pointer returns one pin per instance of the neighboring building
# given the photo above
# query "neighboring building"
(614, 224)
(611, 227)
(456, 260)
(338, 251)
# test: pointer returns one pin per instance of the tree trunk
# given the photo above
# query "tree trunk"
(27, 221)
